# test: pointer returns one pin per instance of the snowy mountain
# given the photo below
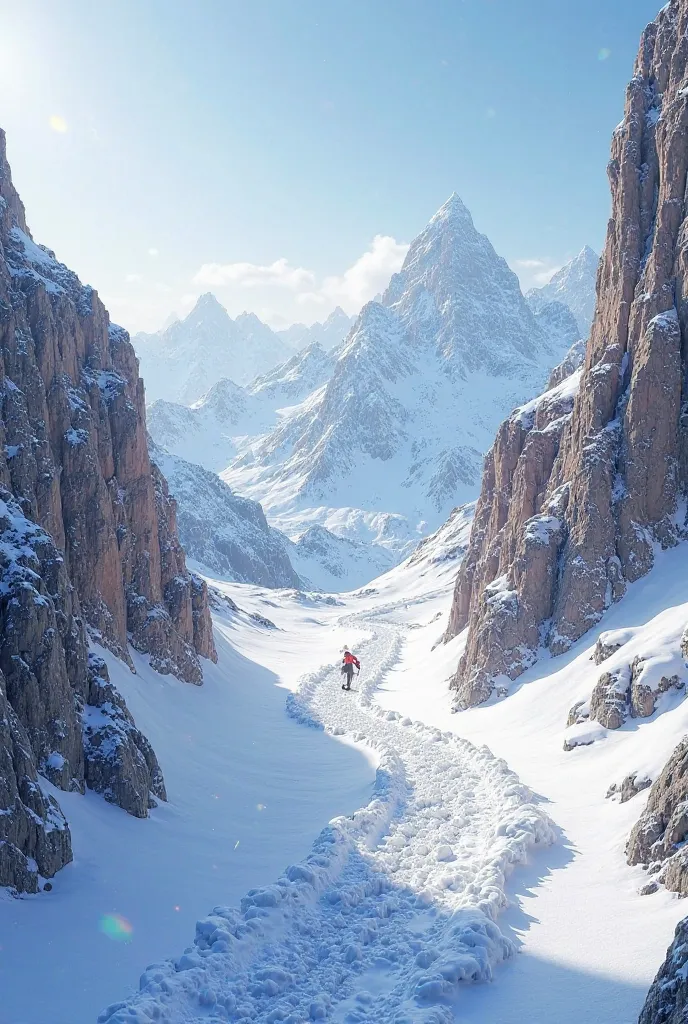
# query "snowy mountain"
(226, 535)
(328, 334)
(211, 431)
(574, 285)
(182, 361)
(559, 324)
(416, 394)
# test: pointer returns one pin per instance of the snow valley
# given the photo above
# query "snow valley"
(475, 498)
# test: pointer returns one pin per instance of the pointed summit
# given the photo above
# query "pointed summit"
(454, 209)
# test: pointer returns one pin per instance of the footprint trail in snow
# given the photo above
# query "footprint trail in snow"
(394, 907)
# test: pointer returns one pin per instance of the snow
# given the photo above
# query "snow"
(444, 862)
(244, 799)
(394, 421)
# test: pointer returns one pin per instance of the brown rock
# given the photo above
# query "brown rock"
(87, 537)
(620, 459)
(663, 825)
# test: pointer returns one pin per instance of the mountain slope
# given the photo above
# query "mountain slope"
(227, 535)
(211, 431)
(181, 362)
(574, 285)
(88, 550)
(416, 392)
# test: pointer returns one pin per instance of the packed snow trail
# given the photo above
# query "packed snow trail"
(393, 908)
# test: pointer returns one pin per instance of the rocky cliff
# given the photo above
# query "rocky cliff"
(87, 544)
(667, 1000)
(571, 509)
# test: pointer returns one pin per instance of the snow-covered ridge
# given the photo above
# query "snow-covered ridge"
(226, 535)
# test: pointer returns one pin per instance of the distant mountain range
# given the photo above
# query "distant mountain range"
(183, 360)
(358, 449)
(415, 396)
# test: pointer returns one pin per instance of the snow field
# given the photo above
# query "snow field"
(394, 907)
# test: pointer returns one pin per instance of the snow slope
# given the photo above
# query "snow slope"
(181, 362)
(573, 285)
(213, 429)
(245, 796)
(394, 908)
(417, 392)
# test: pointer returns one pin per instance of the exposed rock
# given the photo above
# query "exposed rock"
(626, 691)
(120, 762)
(516, 474)
(573, 359)
(86, 540)
(629, 787)
(667, 1000)
(610, 700)
(607, 644)
(617, 470)
(656, 838)
(34, 835)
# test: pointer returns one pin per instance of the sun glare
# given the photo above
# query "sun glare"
(58, 124)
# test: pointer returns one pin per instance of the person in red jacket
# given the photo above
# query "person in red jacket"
(350, 661)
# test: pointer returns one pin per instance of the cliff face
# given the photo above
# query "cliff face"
(667, 1000)
(87, 541)
(563, 524)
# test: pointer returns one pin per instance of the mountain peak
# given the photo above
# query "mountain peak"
(207, 302)
(452, 210)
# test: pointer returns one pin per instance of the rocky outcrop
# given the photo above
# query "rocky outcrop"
(614, 478)
(657, 838)
(87, 543)
(120, 762)
(667, 1000)
(515, 479)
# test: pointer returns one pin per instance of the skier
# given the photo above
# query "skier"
(350, 660)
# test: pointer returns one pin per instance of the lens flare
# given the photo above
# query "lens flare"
(58, 124)
(116, 927)
(604, 54)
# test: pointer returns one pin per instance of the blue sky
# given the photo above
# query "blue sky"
(282, 152)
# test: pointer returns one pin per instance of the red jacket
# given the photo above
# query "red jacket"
(351, 659)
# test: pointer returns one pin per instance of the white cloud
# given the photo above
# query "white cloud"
(153, 252)
(133, 278)
(363, 280)
(534, 273)
(253, 275)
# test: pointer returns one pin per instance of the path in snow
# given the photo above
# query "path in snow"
(393, 908)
